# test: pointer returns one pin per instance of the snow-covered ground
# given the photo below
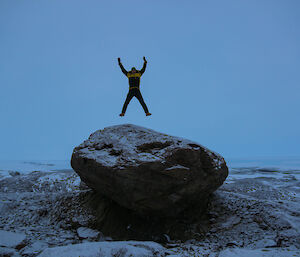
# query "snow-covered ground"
(255, 213)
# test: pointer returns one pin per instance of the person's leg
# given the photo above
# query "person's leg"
(128, 99)
(138, 95)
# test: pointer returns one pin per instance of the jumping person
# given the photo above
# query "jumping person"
(134, 86)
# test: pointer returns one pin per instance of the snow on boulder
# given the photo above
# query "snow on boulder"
(148, 171)
(107, 249)
(11, 239)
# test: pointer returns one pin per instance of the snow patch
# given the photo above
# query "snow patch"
(106, 249)
(4, 251)
(266, 252)
(84, 232)
(11, 239)
(35, 248)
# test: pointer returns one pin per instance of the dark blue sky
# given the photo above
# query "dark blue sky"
(223, 73)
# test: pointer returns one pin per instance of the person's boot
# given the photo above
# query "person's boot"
(148, 114)
(122, 114)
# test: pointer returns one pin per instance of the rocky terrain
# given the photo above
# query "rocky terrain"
(46, 210)
(255, 213)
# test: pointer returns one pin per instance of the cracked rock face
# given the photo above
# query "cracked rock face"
(146, 171)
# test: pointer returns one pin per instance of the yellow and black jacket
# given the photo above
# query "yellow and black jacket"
(133, 78)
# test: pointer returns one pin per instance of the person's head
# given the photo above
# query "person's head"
(133, 70)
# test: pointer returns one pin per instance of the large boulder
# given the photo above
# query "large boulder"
(147, 171)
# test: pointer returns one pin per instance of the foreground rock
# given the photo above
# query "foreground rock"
(147, 171)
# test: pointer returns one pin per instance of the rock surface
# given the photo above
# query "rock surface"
(147, 171)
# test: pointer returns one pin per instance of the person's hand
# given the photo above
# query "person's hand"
(145, 59)
(119, 60)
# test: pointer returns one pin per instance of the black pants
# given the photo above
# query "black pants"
(134, 92)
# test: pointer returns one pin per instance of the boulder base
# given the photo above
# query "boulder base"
(146, 171)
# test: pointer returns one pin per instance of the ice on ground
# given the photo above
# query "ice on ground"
(11, 239)
(265, 252)
(106, 249)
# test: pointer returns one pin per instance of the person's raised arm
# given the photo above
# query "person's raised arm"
(122, 68)
(144, 66)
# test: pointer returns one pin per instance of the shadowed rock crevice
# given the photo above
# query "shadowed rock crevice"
(123, 224)
(104, 146)
(153, 146)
